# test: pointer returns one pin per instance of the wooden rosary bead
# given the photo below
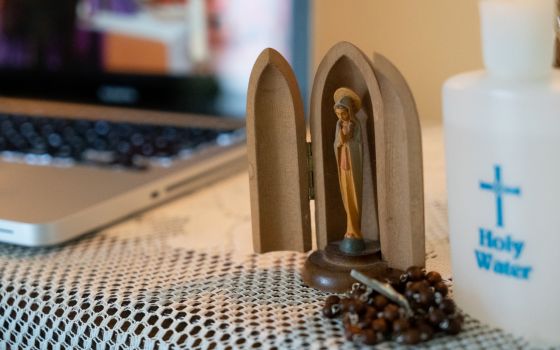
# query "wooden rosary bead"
(391, 312)
(344, 304)
(415, 287)
(454, 327)
(357, 307)
(350, 318)
(441, 287)
(327, 312)
(426, 331)
(447, 306)
(400, 325)
(451, 325)
(332, 299)
(379, 325)
(433, 277)
(380, 301)
(331, 311)
(424, 297)
(348, 335)
(436, 316)
(415, 273)
(369, 337)
(410, 337)
(370, 312)
(364, 324)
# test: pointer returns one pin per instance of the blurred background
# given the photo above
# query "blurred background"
(196, 55)
(177, 55)
(428, 40)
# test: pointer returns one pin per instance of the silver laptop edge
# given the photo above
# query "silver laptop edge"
(46, 205)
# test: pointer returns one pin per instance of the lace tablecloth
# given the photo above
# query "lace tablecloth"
(183, 276)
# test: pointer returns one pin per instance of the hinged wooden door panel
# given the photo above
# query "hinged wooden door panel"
(402, 234)
(277, 152)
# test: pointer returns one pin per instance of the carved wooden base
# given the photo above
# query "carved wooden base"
(329, 269)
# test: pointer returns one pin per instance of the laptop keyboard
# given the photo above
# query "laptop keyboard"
(68, 141)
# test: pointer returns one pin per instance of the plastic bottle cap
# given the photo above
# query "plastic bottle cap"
(517, 37)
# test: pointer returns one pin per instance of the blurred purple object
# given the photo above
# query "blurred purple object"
(86, 48)
(13, 53)
(118, 6)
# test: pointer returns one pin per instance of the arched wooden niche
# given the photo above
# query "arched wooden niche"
(393, 208)
(345, 65)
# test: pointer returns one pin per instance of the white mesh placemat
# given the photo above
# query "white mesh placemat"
(181, 277)
(139, 292)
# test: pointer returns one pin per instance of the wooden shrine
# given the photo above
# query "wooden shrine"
(286, 171)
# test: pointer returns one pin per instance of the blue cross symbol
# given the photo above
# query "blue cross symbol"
(499, 190)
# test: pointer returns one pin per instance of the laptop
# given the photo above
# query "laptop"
(109, 107)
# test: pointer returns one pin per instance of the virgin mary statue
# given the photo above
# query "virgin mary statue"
(348, 152)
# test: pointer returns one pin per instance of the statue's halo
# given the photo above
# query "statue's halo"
(342, 92)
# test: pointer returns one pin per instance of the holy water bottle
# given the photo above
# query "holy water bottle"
(502, 139)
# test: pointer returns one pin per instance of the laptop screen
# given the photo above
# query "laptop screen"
(174, 55)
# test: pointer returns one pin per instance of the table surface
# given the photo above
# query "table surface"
(183, 276)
